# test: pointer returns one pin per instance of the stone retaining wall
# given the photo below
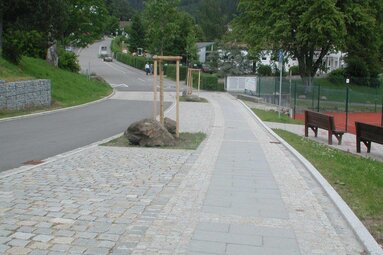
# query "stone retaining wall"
(25, 94)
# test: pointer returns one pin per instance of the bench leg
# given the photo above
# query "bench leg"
(306, 131)
(315, 130)
(339, 137)
(357, 145)
(329, 137)
(368, 145)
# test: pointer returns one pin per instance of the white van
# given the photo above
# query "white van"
(103, 51)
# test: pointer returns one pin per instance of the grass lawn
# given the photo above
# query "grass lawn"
(357, 179)
(187, 141)
(68, 89)
(272, 116)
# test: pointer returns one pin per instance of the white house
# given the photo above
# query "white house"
(331, 61)
(203, 50)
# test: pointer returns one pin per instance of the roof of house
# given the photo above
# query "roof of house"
(203, 44)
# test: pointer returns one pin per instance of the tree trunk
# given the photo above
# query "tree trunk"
(1, 30)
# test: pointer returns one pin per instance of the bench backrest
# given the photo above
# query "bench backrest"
(320, 120)
(369, 132)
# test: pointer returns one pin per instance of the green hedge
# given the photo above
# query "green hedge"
(134, 61)
(208, 82)
(170, 72)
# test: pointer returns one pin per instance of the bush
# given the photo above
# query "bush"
(357, 70)
(18, 43)
(171, 72)
(134, 61)
(208, 82)
(337, 76)
(68, 61)
(294, 70)
(264, 70)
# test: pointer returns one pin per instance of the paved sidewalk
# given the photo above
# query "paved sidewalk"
(239, 193)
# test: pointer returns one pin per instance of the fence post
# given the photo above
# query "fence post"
(313, 96)
(295, 99)
(347, 92)
(259, 86)
(318, 97)
(275, 89)
(382, 113)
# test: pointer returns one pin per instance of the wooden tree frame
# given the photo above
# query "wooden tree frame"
(159, 60)
(189, 81)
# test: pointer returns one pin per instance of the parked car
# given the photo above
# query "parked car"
(107, 58)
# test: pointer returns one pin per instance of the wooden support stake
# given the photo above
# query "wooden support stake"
(161, 93)
(199, 80)
(155, 90)
(178, 99)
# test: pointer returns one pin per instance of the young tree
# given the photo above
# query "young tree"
(160, 23)
(169, 32)
(307, 30)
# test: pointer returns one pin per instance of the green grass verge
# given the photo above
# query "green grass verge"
(68, 89)
(358, 180)
(186, 141)
(10, 72)
(272, 116)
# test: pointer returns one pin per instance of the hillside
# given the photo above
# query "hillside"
(68, 88)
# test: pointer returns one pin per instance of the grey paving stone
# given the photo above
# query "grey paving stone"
(5, 232)
(43, 231)
(4, 240)
(3, 248)
(60, 247)
(255, 240)
(108, 237)
(213, 227)
(280, 243)
(97, 251)
(77, 249)
(207, 247)
(87, 235)
(43, 238)
(18, 242)
(38, 252)
(263, 231)
(66, 233)
(234, 249)
(106, 244)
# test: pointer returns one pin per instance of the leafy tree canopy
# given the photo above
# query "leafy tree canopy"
(169, 31)
(308, 30)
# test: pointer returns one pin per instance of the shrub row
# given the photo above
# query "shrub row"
(170, 71)
(137, 62)
(208, 82)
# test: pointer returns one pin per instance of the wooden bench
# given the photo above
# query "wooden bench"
(315, 120)
(368, 133)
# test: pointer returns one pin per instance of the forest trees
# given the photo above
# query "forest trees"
(308, 30)
(29, 27)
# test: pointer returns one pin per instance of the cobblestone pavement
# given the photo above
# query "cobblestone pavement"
(239, 193)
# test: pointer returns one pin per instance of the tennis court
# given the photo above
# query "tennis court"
(374, 118)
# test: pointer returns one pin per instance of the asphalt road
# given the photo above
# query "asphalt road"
(40, 137)
(122, 77)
